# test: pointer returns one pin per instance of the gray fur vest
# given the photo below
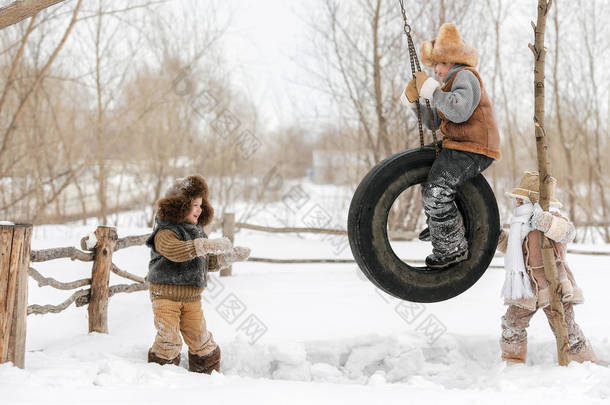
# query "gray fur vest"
(161, 270)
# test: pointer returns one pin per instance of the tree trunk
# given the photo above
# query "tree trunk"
(383, 141)
(548, 255)
(99, 124)
(567, 149)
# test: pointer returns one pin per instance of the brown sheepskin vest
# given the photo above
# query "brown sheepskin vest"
(479, 134)
(532, 254)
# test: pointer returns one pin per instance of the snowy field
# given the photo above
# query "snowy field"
(304, 334)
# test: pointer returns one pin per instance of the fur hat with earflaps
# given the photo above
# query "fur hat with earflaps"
(529, 187)
(448, 47)
(176, 204)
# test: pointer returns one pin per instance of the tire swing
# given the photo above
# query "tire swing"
(368, 217)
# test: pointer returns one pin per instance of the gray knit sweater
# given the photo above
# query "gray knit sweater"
(456, 105)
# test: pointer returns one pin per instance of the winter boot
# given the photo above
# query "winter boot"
(425, 235)
(153, 358)
(587, 354)
(205, 364)
(514, 353)
(435, 261)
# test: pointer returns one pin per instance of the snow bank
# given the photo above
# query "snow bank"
(456, 368)
(330, 337)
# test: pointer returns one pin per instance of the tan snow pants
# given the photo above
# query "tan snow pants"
(175, 317)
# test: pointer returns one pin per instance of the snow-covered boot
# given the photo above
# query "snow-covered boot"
(514, 353)
(588, 354)
(435, 261)
(153, 358)
(205, 364)
(425, 235)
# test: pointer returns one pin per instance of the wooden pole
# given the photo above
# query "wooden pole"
(100, 275)
(15, 246)
(548, 256)
(228, 230)
(16, 348)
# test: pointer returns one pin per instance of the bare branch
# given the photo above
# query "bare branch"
(20, 10)
(16, 59)
(41, 75)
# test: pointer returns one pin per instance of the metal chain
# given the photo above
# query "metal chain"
(415, 67)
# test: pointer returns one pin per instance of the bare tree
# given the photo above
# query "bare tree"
(15, 99)
(590, 15)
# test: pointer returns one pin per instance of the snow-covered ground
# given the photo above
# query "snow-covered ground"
(303, 334)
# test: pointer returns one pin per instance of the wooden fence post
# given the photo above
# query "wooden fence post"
(15, 246)
(228, 230)
(100, 275)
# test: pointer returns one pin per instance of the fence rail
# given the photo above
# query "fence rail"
(398, 236)
(83, 297)
(15, 270)
(262, 228)
(44, 255)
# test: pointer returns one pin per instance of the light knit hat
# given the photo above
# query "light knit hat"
(529, 187)
(448, 47)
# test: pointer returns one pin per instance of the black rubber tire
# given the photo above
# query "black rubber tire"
(368, 238)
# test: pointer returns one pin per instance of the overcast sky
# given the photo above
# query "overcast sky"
(264, 46)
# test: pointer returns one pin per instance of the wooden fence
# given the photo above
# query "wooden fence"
(15, 242)
(97, 295)
(16, 257)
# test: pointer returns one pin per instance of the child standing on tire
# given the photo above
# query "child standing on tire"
(463, 112)
(181, 256)
(526, 288)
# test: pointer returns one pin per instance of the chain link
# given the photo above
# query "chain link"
(415, 67)
(407, 27)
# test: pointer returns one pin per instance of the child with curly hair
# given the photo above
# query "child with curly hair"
(181, 257)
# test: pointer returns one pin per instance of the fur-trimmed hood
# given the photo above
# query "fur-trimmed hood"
(175, 205)
(448, 47)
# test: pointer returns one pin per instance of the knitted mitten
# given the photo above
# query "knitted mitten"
(237, 254)
(205, 246)
(554, 226)
(541, 219)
